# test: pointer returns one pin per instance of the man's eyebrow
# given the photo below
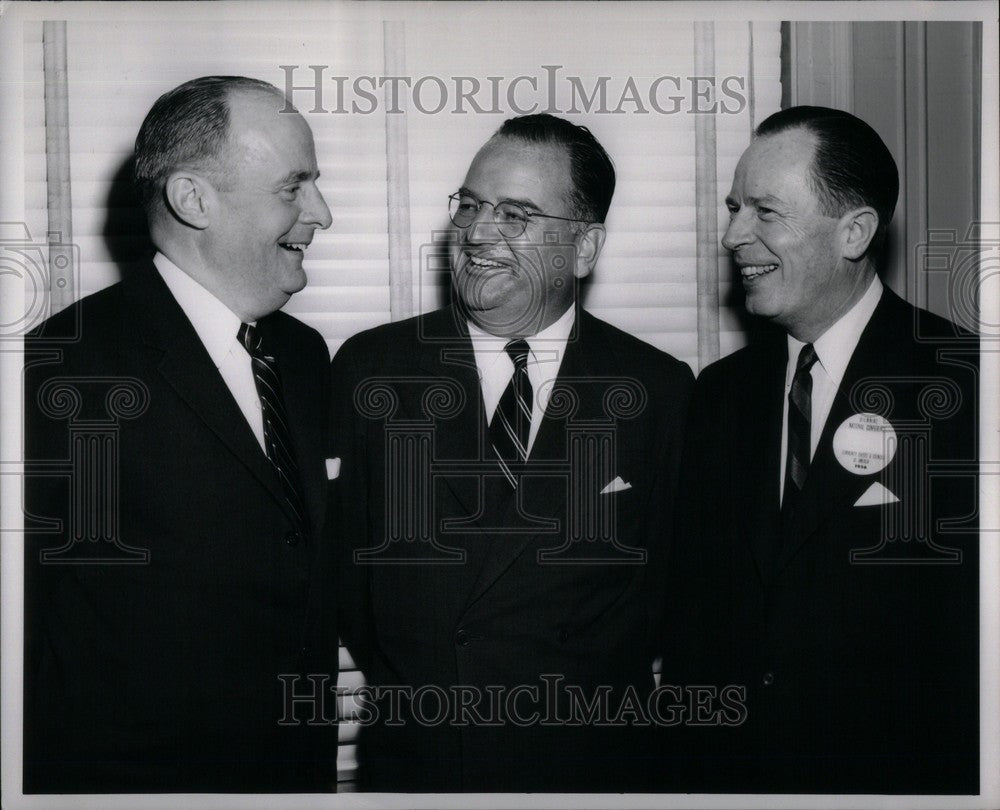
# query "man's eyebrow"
(767, 200)
(298, 177)
(524, 203)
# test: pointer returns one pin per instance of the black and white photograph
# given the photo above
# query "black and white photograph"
(500, 404)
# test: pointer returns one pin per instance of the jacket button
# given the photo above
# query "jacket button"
(292, 538)
(768, 679)
(462, 638)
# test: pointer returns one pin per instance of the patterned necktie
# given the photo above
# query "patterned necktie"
(799, 418)
(511, 425)
(277, 438)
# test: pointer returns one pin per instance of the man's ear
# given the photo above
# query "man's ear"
(188, 196)
(588, 248)
(859, 226)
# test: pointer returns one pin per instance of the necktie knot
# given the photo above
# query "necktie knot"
(807, 358)
(517, 351)
(250, 338)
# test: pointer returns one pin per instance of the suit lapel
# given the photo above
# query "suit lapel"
(186, 366)
(541, 510)
(829, 486)
(445, 353)
(445, 357)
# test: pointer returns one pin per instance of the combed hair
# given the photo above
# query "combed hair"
(187, 127)
(592, 172)
(852, 166)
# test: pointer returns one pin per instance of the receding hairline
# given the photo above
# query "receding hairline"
(226, 159)
(539, 145)
(261, 91)
(813, 176)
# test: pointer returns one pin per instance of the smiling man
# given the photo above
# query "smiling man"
(826, 554)
(507, 471)
(170, 564)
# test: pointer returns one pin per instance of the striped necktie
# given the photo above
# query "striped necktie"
(277, 438)
(511, 425)
(799, 419)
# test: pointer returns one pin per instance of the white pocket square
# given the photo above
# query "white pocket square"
(876, 495)
(332, 468)
(616, 486)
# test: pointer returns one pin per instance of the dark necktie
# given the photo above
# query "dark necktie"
(511, 424)
(277, 438)
(799, 419)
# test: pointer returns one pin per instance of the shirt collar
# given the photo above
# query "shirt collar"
(214, 322)
(547, 345)
(836, 345)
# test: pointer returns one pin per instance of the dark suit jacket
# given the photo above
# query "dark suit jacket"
(858, 645)
(462, 591)
(166, 587)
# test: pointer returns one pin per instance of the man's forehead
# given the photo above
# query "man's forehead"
(776, 161)
(260, 133)
(513, 168)
(790, 148)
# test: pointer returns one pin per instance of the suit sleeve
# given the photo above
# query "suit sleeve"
(349, 502)
(49, 731)
(695, 492)
(663, 501)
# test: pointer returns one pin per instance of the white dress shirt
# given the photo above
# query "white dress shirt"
(833, 352)
(546, 350)
(217, 326)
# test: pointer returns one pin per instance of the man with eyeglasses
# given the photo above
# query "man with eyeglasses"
(506, 470)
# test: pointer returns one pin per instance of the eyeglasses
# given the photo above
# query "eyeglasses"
(511, 218)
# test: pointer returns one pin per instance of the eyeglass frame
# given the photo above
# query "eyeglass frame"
(527, 214)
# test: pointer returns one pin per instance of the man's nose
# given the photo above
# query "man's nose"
(483, 229)
(738, 233)
(316, 211)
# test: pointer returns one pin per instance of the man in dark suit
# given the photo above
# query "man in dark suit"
(826, 553)
(175, 423)
(507, 465)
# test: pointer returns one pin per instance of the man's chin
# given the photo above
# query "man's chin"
(296, 282)
(501, 322)
(757, 303)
